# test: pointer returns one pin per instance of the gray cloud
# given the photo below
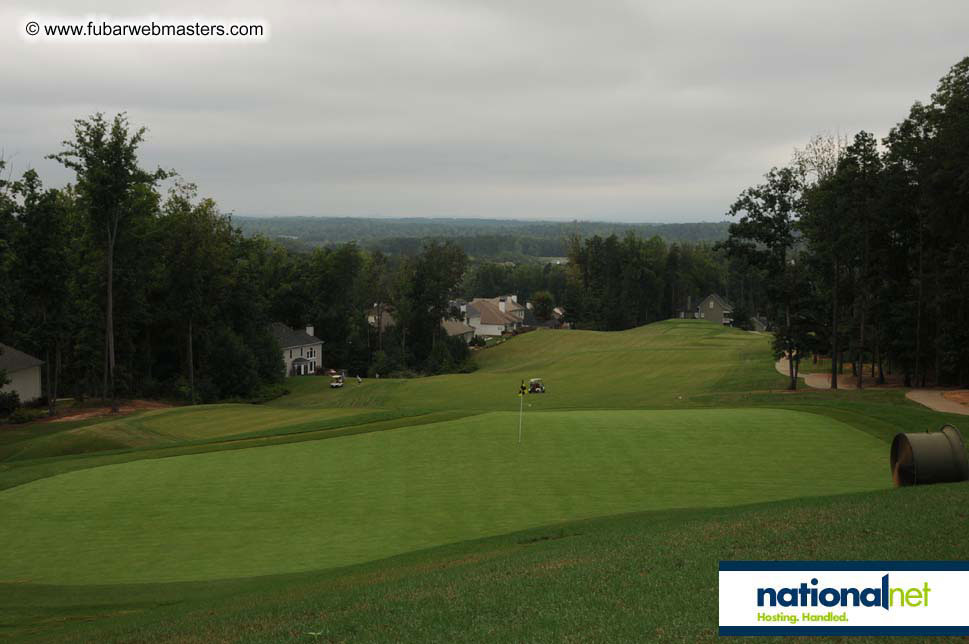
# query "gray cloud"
(647, 111)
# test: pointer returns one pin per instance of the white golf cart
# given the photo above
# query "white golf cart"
(336, 381)
(536, 386)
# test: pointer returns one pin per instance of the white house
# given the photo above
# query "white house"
(23, 372)
(494, 316)
(301, 349)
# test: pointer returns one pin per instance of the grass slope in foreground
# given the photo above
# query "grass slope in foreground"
(641, 577)
(320, 504)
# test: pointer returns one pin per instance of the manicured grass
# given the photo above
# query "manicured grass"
(229, 420)
(165, 427)
(328, 503)
(640, 577)
(659, 365)
(247, 513)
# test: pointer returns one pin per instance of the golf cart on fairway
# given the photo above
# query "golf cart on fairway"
(536, 386)
(336, 381)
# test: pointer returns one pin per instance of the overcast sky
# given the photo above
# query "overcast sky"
(540, 109)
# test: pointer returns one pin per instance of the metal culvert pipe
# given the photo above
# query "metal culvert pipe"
(932, 457)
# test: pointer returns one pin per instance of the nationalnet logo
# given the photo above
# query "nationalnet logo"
(844, 597)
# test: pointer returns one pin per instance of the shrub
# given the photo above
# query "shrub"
(9, 401)
(265, 393)
(26, 415)
(233, 371)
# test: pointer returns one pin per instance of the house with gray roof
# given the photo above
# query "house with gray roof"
(715, 309)
(301, 349)
(459, 329)
(23, 372)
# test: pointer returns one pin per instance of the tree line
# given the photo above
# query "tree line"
(127, 283)
(618, 283)
(482, 239)
(864, 246)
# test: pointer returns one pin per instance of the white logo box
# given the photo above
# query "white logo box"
(925, 597)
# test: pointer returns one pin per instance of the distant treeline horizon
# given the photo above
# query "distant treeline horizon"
(499, 238)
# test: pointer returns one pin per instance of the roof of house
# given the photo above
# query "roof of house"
(13, 360)
(721, 301)
(510, 304)
(288, 338)
(489, 312)
(456, 327)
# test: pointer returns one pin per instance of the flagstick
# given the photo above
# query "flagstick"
(521, 409)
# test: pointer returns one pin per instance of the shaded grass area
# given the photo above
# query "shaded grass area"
(320, 504)
(167, 427)
(19, 472)
(881, 413)
(645, 576)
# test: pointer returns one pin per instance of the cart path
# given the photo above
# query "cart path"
(931, 398)
(934, 399)
(813, 380)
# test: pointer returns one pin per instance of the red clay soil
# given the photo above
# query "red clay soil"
(961, 396)
(92, 412)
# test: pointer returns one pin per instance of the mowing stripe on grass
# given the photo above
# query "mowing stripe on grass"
(321, 504)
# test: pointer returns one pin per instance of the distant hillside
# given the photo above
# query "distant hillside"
(479, 237)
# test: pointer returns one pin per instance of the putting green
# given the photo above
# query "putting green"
(320, 504)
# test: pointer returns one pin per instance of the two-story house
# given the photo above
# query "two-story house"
(301, 349)
(715, 309)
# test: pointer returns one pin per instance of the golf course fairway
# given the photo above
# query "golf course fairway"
(320, 504)
(366, 513)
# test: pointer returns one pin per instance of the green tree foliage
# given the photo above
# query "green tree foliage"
(113, 189)
(765, 237)
(124, 293)
(429, 281)
(884, 233)
(543, 303)
(621, 283)
(8, 223)
(42, 267)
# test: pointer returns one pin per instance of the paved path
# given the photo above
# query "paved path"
(813, 380)
(933, 399)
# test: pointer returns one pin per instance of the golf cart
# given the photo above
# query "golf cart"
(336, 381)
(536, 386)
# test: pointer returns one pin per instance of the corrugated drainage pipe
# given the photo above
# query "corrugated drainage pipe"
(932, 457)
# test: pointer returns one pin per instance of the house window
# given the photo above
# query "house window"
(711, 304)
(312, 367)
(290, 354)
(311, 353)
